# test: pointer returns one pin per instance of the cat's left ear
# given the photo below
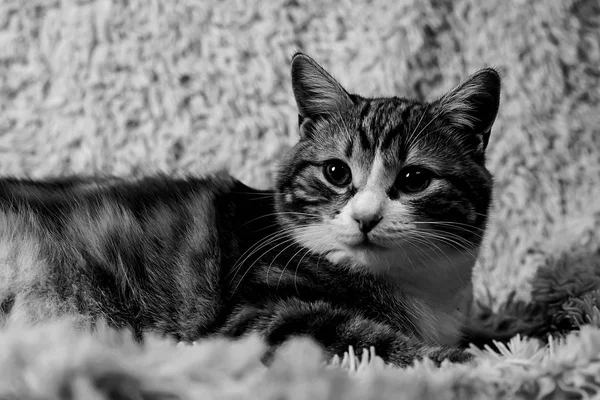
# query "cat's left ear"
(317, 93)
(472, 106)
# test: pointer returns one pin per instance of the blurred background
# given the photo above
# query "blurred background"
(184, 86)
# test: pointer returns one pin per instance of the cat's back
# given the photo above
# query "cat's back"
(81, 208)
(128, 248)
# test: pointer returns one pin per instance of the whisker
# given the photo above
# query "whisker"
(285, 267)
(445, 234)
(408, 259)
(268, 240)
(252, 249)
(293, 240)
(430, 245)
(337, 121)
(272, 245)
(253, 193)
(296, 271)
(457, 227)
(412, 134)
(287, 240)
(278, 254)
(256, 195)
(451, 223)
(251, 265)
(462, 246)
(282, 213)
(459, 238)
(420, 120)
(450, 260)
(429, 123)
(435, 236)
(260, 245)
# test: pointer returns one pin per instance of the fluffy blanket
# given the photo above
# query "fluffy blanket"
(131, 87)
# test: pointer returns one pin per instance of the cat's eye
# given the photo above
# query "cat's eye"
(413, 180)
(337, 172)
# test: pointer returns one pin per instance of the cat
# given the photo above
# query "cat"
(368, 238)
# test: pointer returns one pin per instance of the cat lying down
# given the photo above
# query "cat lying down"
(368, 238)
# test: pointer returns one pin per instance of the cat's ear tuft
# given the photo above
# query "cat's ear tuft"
(473, 105)
(317, 93)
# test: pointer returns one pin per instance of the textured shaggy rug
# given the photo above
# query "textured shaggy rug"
(182, 86)
(55, 362)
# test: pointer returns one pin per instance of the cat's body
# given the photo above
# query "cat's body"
(146, 254)
(162, 257)
(368, 239)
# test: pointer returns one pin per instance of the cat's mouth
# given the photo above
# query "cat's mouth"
(366, 243)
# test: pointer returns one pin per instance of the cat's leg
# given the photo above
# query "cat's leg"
(335, 328)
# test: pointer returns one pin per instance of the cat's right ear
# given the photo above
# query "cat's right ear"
(317, 93)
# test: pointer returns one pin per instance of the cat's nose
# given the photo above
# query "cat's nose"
(367, 208)
(367, 225)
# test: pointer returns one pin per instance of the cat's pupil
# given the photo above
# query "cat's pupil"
(337, 173)
(413, 180)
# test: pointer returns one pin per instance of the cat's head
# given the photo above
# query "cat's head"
(388, 184)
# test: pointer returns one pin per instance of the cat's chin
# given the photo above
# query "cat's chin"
(356, 252)
(366, 256)
(406, 263)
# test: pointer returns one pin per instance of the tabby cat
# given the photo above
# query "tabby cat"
(368, 238)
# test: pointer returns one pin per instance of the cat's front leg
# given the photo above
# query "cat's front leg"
(334, 328)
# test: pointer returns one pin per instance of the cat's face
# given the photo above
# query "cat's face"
(388, 184)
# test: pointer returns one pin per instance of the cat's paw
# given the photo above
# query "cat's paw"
(452, 354)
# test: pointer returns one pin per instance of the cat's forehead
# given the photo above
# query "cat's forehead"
(393, 131)
(379, 112)
(382, 127)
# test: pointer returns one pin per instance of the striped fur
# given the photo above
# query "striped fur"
(192, 257)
